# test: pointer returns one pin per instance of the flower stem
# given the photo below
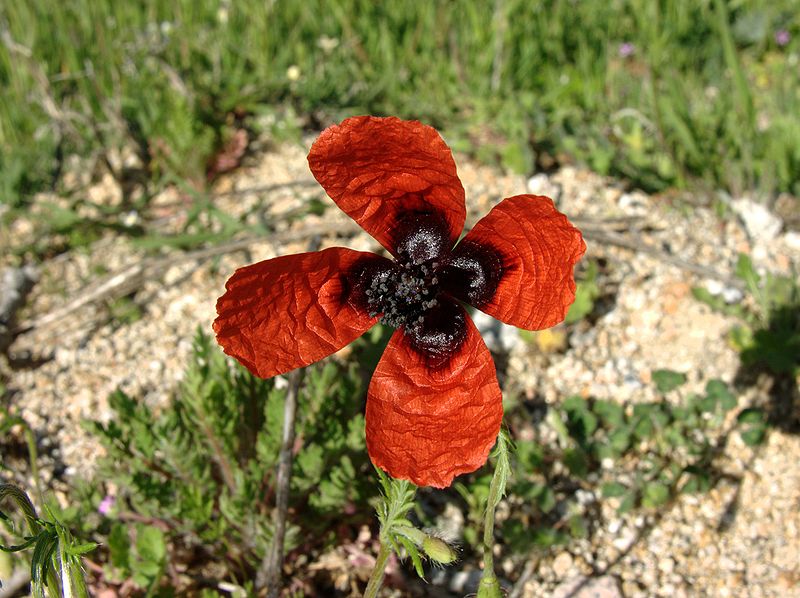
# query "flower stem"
(397, 501)
(488, 527)
(376, 579)
(489, 586)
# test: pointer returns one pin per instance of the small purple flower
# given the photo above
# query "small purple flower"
(105, 506)
(782, 37)
(626, 49)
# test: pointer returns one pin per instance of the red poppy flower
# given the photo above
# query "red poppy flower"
(434, 405)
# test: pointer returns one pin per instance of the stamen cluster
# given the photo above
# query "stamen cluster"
(401, 295)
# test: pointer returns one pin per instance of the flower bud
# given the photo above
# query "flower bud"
(438, 550)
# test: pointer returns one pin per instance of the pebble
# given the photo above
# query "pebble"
(646, 320)
(562, 564)
(605, 586)
(761, 224)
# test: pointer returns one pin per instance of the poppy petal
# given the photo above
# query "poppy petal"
(429, 424)
(290, 311)
(534, 248)
(379, 170)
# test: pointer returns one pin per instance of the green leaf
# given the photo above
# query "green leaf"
(753, 436)
(753, 424)
(649, 418)
(578, 527)
(610, 413)
(119, 546)
(752, 415)
(707, 403)
(581, 422)
(667, 380)
(741, 338)
(698, 481)
(575, 403)
(628, 502)
(613, 489)
(546, 499)
(725, 398)
(548, 536)
(150, 544)
(577, 462)
(586, 293)
(655, 494)
(80, 549)
(555, 421)
(620, 439)
(530, 455)
(412, 552)
(746, 272)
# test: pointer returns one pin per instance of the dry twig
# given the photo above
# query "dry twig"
(132, 277)
(269, 575)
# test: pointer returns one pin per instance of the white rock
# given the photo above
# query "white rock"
(732, 295)
(715, 287)
(499, 337)
(625, 540)
(465, 581)
(666, 565)
(562, 564)
(633, 203)
(792, 240)
(761, 224)
(606, 586)
(540, 184)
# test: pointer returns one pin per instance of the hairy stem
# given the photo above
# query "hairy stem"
(376, 579)
(489, 586)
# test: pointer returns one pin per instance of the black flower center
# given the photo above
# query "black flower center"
(418, 290)
(402, 294)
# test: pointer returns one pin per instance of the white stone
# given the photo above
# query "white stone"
(562, 564)
(760, 223)
(792, 240)
(606, 586)
(666, 565)
(540, 184)
(732, 295)
(633, 203)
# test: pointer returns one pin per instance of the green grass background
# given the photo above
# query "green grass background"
(707, 100)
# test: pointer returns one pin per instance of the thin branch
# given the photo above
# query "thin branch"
(640, 246)
(269, 574)
(133, 277)
(527, 573)
(130, 278)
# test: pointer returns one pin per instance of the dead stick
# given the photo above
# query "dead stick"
(639, 246)
(527, 573)
(269, 574)
(130, 278)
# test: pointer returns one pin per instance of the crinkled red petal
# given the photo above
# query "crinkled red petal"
(288, 312)
(537, 249)
(429, 425)
(377, 169)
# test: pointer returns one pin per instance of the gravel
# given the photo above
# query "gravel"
(742, 538)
